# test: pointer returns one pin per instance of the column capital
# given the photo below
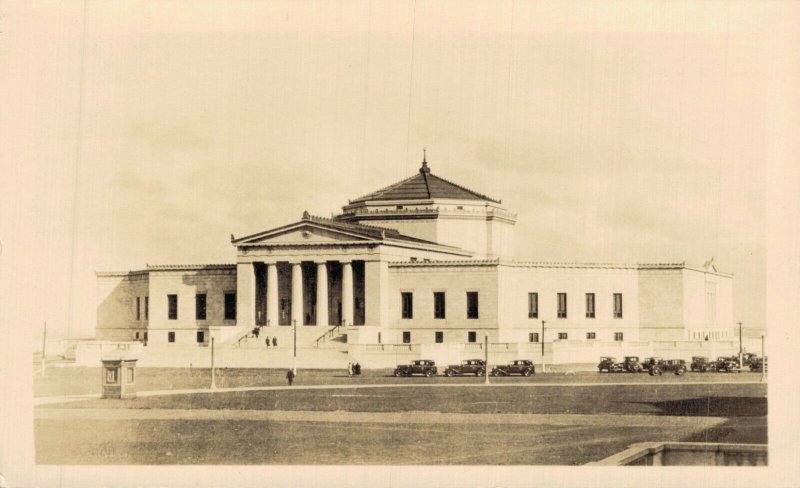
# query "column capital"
(320, 261)
(345, 261)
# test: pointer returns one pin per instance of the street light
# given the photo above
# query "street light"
(294, 360)
(486, 357)
(542, 339)
(740, 345)
(763, 360)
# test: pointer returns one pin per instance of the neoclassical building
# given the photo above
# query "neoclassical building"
(422, 261)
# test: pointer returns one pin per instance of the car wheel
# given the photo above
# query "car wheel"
(526, 372)
(428, 373)
(480, 372)
(659, 372)
(398, 373)
(448, 373)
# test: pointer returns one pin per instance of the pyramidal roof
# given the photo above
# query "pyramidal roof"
(424, 186)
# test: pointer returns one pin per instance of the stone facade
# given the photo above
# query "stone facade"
(421, 262)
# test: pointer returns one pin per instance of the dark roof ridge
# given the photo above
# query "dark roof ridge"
(383, 190)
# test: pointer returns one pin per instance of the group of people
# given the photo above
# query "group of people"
(354, 369)
(274, 341)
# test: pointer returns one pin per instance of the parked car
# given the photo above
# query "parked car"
(727, 364)
(468, 366)
(523, 367)
(648, 363)
(677, 366)
(702, 364)
(631, 364)
(748, 358)
(609, 365)
(420, 366)
(757, 364)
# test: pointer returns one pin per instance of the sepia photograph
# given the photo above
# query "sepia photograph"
(399, 243)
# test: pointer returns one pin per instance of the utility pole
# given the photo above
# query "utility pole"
(213, 382)
(294, 360)
(486, 357)
(44, 348)
(542, 339)
(740, 345)
(763, 361)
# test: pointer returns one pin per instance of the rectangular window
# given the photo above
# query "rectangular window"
(562, 305)
(170, 337)
(201, 336)
(146, 308)
(406, 337)
(533, 337)
(533, 305)
(230, 306)
(172, 306)
(591, 335)
(472, 304)
(408, 304)
(439, 337)
(138, 302)
(200, 306)
(472, 336)
(617, 305)
(562, 336)
(590, 305)
(137, 335)
(618, 336)
(438, 304)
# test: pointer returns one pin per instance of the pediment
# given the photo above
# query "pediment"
(303, 233)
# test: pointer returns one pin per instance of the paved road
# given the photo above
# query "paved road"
(74, 398)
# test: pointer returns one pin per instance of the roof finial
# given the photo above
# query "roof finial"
(424, 168)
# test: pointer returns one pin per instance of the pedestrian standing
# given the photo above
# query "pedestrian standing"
(350, 369)
(290, 377)
(266, 341)
(275, 341)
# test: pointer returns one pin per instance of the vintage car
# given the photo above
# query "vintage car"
(757, 364)
(702, 364)
(631, 364)
(420, 366)
(677, 366)
(727, 364)
(609, 365)
(468, 366)
(520, 366)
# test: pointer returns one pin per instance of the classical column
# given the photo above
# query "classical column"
(297, 293)
(272, 294)
(347, 293)
(322, 294)
(245, 294)
(376, 293)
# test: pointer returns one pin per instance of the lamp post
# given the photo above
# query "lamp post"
(486, 357)
(213, 382)
(763, 360)
(543, 322)
(740, 345)
(294, 359)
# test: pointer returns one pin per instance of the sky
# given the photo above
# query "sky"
(617, 131)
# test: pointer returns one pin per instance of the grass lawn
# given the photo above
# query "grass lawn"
(74, 440)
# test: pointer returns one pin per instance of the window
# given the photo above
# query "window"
(533, 305)
(201, 336)
(562, 305)
(438, 304)
(591, 335)
(172, 305)
(590, 305)
(472, 336)
(129, 378)
(111, 376)
(230, 306)
(146, 308)
(533, 337)
(472, 304)
(617, 336)
(200, 306)
(145, 337)
(137, 335)
(138, 302)
(439, 336)
(562, 336)
(408, 304)
(406, 337)
(617, 305)
(399, 207)
(170, 337)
